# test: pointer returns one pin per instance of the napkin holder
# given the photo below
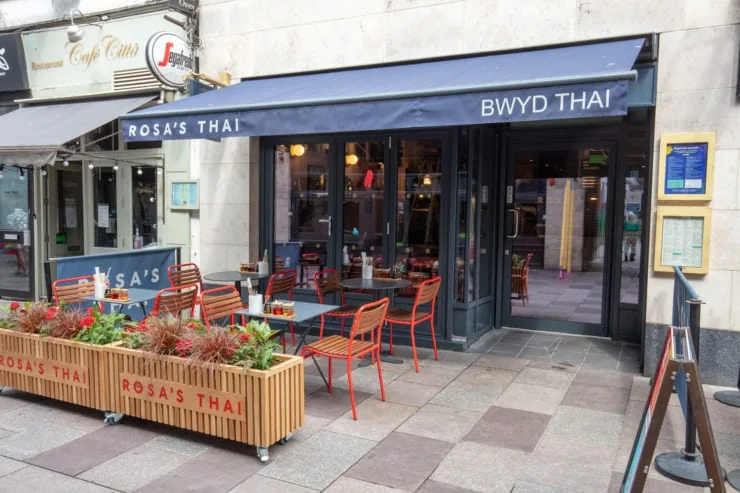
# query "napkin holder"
(262, 268)
(256, 304)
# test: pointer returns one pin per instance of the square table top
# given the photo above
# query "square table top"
(303, 310)
(135, 295)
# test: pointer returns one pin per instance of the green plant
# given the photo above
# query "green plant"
(256, 345)
(100, 328)
(517, 260)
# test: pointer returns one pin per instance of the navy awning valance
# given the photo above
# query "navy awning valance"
(565, 82)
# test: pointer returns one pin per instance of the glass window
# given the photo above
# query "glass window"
(302, 219)
(638, 143)
(14, 199)
(462, 215)
(144, 206)
(105, 211)
(103, 138)
(69, 209)
(418, 213)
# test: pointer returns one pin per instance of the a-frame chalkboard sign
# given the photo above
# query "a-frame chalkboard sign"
(677, 365)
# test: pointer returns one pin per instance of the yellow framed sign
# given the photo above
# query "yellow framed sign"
(682, 239)
(686, 171)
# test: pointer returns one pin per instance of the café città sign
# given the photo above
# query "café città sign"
(84, 54)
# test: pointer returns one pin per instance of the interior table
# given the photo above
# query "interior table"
(377, 286)
(236, 277)
(305, 314)
(136, 296)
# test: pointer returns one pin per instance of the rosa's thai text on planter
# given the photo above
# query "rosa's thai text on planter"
(48, 370)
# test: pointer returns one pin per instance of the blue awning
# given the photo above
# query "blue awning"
(566, 82)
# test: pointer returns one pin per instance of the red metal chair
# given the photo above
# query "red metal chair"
(73, 290)
(174, 301)
(283, 282)
(185, 274)
(425, 295)
(328, 282)
(220, 303)
(369, 319)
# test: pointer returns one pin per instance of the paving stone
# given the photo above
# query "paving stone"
(466, 396)
(92, 449)
(509, 428)
(438, 376)
(597, 397)
(604, 378)
(582, 435)
(534, 353)
(366, 379)
(558, 365)
(533, 398)
(67, 415)
(391, 464)
(375, 420)
(330, 406)
(565, 475)
(181, 445)
(509, 350)
(311, 425)
(318, 461)
(501, 362)
(268, 485)
(350, 485)
(481, 468)
(434, 487)
(441, 422)
(524, 487)
(408, 393)
(545, 378)
(487, 377)
(8, 466)
(37, 439)
(149, 463)
(218, 469)
(653, 486)
(13, 399)
(450, 358)
(31, 479)
(313, 384)
(516, 337)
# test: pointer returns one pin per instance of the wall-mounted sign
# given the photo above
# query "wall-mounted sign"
(12, 64)
(185, 195)
(686, 166)
(682, 239)
(187, 6)
(170, 58)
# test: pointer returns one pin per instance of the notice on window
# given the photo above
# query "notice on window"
(103, 216)
(70, 213)
(686, 169)
(682, 241)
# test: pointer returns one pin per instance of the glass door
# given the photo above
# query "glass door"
(16, 261)
(105, 208)
(554, 254)
(66, 230)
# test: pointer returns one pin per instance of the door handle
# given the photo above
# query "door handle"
(516, 224)
(327, 221)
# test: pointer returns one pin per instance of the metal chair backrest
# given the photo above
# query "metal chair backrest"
(185, 274)
(327, 282)
(220, 303)
(73, 289)
(427, 291)
(174, 301)
(370, 317)
(282, 282)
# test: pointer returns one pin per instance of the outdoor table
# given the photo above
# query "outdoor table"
(136, 296)
(305, 314)
(377, 286)
(236, 277)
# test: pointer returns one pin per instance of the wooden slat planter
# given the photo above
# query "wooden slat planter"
(60, 369)
(258, 407)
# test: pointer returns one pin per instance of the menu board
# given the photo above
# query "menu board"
(185, 195)
(683, 241)
(686, 168)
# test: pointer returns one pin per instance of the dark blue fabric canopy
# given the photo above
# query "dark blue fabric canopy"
(564, 82)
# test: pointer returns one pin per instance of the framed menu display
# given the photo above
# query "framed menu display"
(185, 195)
(682, 239)
(686, 169)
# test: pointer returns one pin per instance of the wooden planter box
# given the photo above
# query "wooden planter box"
(60, 369)
(258, 407)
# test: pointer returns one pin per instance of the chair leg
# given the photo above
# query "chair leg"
(413, 348)
(292, 333)
(330, 360)
(351, 389)
(380, 376)
(434, 338)
(285, 344)
(390, 338)
(321, 329)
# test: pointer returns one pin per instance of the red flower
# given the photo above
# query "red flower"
(244, 338)
(87, 322)
(184, 347)
(192, 325)
(50, 314)
(15, 305)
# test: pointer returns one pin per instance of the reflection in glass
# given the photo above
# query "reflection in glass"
(302, 218)
(105, 211)
(638, 148)
(69, 212)
(418, 214)
(15, 268)
(558, 255)
(144, 203)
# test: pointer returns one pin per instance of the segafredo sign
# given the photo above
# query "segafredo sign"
(169, 58)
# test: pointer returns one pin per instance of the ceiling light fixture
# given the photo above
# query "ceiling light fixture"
(115, 166)
(139, 171)
(91, 165)
(43, 171)
(22, 174)
(159, 171)
(297, 150)
(351, 159)
(65, 163)
(75, 32)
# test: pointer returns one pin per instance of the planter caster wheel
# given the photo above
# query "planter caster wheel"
(112, 418)
(285, 439)
(263, 454)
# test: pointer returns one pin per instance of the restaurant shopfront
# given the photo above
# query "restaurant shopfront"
(513, 184)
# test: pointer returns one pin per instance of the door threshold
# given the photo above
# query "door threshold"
(550, 332)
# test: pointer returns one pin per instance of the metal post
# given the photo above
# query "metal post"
(694, 325)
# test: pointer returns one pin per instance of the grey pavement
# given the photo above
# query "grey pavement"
(470, 422)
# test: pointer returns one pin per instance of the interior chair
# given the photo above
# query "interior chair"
(283, 282)
(327, 282)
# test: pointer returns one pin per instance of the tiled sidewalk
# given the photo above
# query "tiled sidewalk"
(469, 422)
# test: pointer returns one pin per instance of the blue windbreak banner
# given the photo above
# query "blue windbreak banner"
(512, 105)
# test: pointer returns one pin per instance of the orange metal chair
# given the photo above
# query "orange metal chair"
(73, 290)
(328, 282)
(425, 295)
(369, 320)
(283, 282)
(174, 301)
(220, 303)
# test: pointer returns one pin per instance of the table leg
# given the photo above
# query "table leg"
(302, 342)
(143, 309)
(384, 356)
